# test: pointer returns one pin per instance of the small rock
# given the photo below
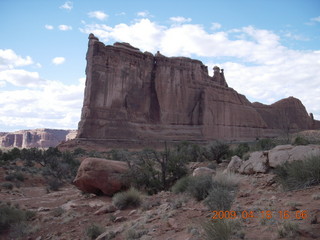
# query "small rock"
(132, 212)
(203, 171)
(120, 219)
(172, 223)
(43, 209)
(105, 209)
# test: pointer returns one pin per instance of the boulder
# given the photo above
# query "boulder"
(234, 164)
(284, 153)
(202, 171)
(101, 176)
(257, 163)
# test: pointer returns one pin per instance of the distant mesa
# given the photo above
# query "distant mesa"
(42, 138)
(136, 97)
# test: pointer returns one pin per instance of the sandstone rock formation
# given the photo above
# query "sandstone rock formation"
(97, 175)
(42, 138)
(262, 161)
(140, 97)
(203, 171)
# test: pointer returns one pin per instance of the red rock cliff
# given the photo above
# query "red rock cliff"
(130, 95)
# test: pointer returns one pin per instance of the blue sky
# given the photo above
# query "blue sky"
(270, 49)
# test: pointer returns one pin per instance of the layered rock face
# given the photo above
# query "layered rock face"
(135, 96)
(42, 138)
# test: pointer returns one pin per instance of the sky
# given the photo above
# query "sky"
(269, 49)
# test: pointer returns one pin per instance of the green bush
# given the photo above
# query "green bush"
(200, 186)
(190, 152)
(154, 171)
(223, 229)
(181, 185)
(288, 229)
(54, 184)
(15, 176)
(217, 151)
(299, 174)
(241, 149)
(265, 144)
(7, 185)
(217, 230)
(299, 140)
(227, 180)
(10, 215)
(94, 230)
(130, 198)
(219, 199)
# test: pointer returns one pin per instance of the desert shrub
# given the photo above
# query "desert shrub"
(10, 215)
(199, 187)
(120, 154)
(217, 230)
(217, 151)
(130, 198)
(299, 140)
(15, 176)
(54, 184)
(154, 171)
(222, 229)
(57, 212)
(219, 199)
(133, 233)
(7, 185)
(227, 180)
(299, 174)
(241, 149)
(288, 229)
(79, 152)
(9, 177)
(181, 185)
(189, 151)
(94, 230)
(265, 144)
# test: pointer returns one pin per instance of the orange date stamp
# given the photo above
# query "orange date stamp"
(285, 214)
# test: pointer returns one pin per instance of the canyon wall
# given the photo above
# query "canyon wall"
(42, 138)
(136, 96)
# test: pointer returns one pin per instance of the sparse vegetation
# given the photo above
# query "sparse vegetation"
(199, 187)
(11, 215)
(94, 230)
(217, 151)
(299, 174)
(7, 185)
(241, 150)
(181, 185)
(219, 198)
(133, 233)
(299, 140)
(288, 229)
(265, 144)
(154, 171)
(130, 198)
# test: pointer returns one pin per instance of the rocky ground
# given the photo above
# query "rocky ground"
(67, 213)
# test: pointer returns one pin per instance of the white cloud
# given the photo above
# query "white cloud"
(67, 5)
(180, 19)
(21, 78)
(121, 14)
(58, 60)
(54, 105)
(316, 19)
(98, 15)
(63, 27)
(9, 59)
(49, 27)
(144, 14)
(261, 68)
(215, 26)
